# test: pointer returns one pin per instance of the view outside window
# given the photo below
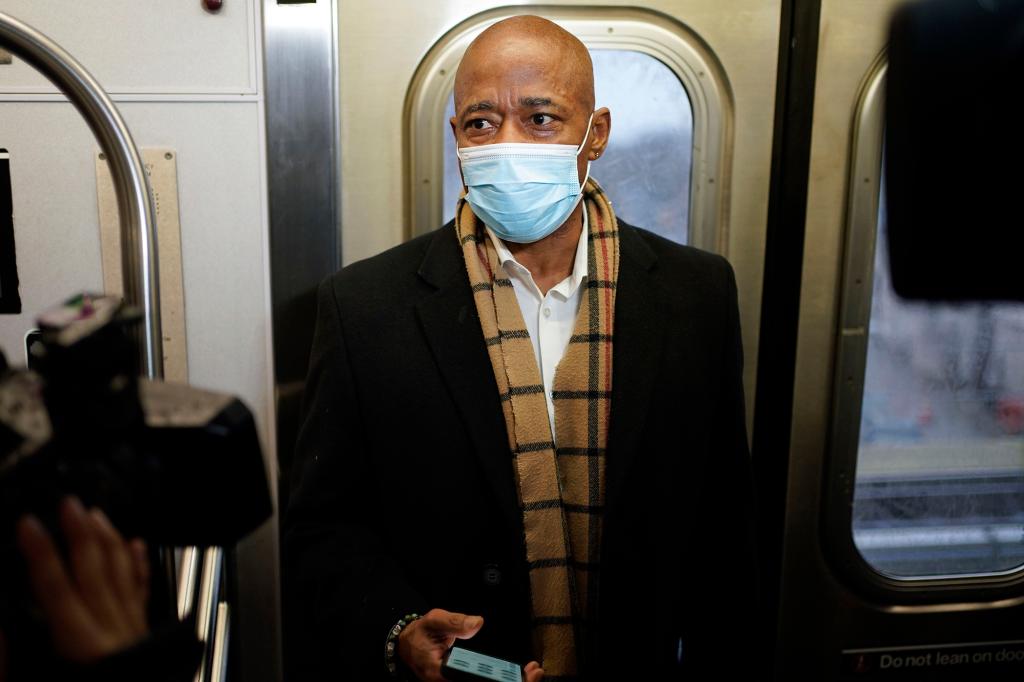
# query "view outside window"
(940, 464)
(646, 169)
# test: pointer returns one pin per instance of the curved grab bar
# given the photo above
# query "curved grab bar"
(134, 205)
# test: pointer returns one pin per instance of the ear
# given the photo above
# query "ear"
(600, 129)
(455, 134)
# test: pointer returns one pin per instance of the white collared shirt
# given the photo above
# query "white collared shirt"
(550, 319)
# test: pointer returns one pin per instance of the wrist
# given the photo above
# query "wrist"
(392, 659)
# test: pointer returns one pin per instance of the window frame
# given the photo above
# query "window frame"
(607, 28)
(854, 318)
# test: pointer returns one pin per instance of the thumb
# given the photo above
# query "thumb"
(470, 626)
(457, 625)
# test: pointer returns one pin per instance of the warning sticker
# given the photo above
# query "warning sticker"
(980, 658)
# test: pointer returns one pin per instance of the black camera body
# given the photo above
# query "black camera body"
(171, 464)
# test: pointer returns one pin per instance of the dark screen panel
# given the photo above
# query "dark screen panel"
(10, 300)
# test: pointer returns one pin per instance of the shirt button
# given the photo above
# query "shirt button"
(492, 575)
(547, 312)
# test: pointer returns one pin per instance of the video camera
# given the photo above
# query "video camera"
(174, 465)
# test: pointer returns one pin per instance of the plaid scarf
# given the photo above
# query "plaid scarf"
(561, 487)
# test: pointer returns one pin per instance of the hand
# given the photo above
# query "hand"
(99, 606)
(424, 642)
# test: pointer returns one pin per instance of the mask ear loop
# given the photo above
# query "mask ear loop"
(586, 177)
(590, 122)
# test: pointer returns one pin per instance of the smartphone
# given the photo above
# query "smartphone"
(461, 664)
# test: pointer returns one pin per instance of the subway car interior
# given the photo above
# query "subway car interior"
(267, 407)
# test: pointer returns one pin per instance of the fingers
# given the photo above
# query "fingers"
(99, 605)
(89, 565)
(533, 672)
(53, 589)
(51, 584)
(121, 572)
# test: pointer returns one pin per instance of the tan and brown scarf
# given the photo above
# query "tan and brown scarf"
(561, 486)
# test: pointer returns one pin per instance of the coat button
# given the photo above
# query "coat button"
(492, 575)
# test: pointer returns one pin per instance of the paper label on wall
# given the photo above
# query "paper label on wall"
(162, 170)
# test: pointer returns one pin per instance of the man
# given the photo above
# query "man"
(526, 427)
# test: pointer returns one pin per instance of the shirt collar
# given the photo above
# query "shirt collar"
(568, 286)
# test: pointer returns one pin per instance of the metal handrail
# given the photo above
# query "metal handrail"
(188, 581)
(134, 204)
(207, 610)
(219, 658)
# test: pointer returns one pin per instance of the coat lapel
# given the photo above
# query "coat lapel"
(640, 322)
(452, 329)
(449, 321)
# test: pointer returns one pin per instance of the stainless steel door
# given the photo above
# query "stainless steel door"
(888, 517)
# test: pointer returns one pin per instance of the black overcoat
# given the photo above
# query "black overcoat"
(404, 498)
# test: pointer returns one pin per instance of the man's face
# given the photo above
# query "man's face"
(520, 89)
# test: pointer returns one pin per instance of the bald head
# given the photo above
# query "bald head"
(524, 46)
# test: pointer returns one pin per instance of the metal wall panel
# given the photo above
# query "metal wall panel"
(146, 46)
(302, 167)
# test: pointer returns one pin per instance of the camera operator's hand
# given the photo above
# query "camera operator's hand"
(423, 643)
(96, 605)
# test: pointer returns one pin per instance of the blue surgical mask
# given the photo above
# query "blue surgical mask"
(523, 191)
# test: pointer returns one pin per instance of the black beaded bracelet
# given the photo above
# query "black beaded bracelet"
(391, 644)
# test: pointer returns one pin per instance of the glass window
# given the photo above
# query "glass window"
(646, 169)
(940, 462)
